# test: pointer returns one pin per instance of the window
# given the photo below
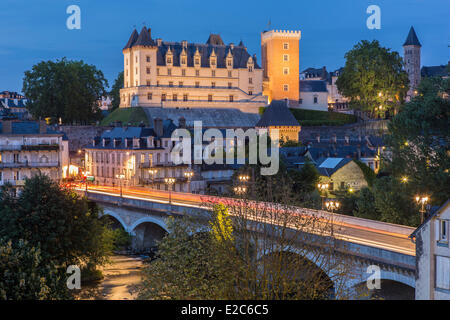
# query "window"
(180, 84)
(185, 97)
(213, 62)
(136, 70)
(230, 74)
(137, 83)
(285, 57)
(315, 100)
(250, 80)
(126, 61)
(148, 70)
(148, 58)
(300, 101)
(169, 60)
(197, 73)
(250, 69)
(148, 82)
(170, 83)
(197, 84)
(250, 93)
(174, 97)
(197, 61)
(213, 84)
(183, 72)
(183, 60)
(229, 85)
(443, 230)
(169, 72)
(213, 73)
(286, 46)
(157, 83)
(443, 272)
(231, 98)
(163, 97)
(209, 97)
(157, 71)
(149, 96)
(285, 87)
(136, 59)
(229, 63)
(286, 71)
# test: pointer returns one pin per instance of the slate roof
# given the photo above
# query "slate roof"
(277, 114)
(214, 42)
(313, 86)
(28, 127)
(412, 39)
(13, 103)
(433, 212)
(434, 71)
(330, 165)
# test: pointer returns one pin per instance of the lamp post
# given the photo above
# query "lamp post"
(422, 201)
(244, 178)
(404, 179)
(189, 174)
(153, 172)
(120, 177)
(170, 182)
(332, 205)
(240, 190)
(323, 187)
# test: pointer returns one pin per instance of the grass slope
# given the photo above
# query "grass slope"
(319, 118)
(127, 115)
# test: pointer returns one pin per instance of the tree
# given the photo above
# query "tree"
(234, 255)
(24, 275)
(418, 141)
(64, 89)
(373, 76)
(115, 91)
(68, 230)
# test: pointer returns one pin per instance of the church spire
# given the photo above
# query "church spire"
(412, 39)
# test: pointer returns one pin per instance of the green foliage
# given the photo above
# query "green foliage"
(67, 229)
(221, 227)
(134, 116)
(24, 276)
(369, 174)
(365, 205)
(115, 91)
(322, 118)
(418, 141)
(64, 89)
(370, 70)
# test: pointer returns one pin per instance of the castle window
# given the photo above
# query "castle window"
(126, 61)
(169, 72)
(174, 97)
(209, 97)
(315, 99)
(285, 57)
(250, 93)
(286, 71)
(250, 80)
(149, 96)
(213, 84)
(231, 98)
(148, 58)
(229, 74)
(229, 85)
(286, 46)
(183, 60)
(213, 73)
(148, 82)
(183, 72)
(197, 61)
(197, 73)
(185, 97)
(163, 97)
(285, 87)
(148, 70)
(170, 83)
(180, 84)
(157, 71)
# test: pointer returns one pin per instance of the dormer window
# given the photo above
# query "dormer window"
(213, 62)
(169, 60)
(183, 60)
(213, 59)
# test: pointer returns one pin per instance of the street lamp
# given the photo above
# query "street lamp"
(170, 182)
(189, 175)
(240, 190)
(322, 187)
(404, 179)
(332, 205)
(153, 172)
(244, 178)
(120, 177)
(422, 200)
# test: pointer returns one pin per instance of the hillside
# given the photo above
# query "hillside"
(134, 116)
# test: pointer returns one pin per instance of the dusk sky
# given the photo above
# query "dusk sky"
(36, 30)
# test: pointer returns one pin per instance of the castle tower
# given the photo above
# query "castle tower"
(411, 56)
(280, 60)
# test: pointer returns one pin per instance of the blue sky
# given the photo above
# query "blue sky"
(35, 30)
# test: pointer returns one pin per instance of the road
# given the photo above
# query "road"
(359, 233)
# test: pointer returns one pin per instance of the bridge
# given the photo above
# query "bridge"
(143, 213)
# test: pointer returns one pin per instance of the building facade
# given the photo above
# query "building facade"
(29, 147)
(182, 74)
(136, 156)
(280, 62)
(433, 256)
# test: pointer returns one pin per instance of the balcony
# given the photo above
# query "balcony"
(12, 182)
(34, 147)
(28, 164)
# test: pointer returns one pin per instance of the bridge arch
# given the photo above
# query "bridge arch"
(116, 217)
(147, 232)
(149, 219)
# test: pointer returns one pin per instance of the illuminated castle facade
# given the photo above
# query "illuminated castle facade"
(182, 74)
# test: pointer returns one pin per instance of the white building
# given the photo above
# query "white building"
(29, 147)
(183, 74)
(433, 256)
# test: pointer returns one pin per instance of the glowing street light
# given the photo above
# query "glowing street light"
(189, 175)
(332, 205)
(240, 190)
(323, 187)
(153, 172)
(244, 178)
(170, 182)
(404, 179)
(422, 201)
(120, 177)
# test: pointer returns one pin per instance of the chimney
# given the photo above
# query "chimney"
(93, 142)
(42, 126)
(150, 32)
(135, 143)
(232, 46)
(182, 122)
(318, 138)
(7, 126)
(184, 44)
(158, 127)
(159, 42)
(359, 138)
(150, 143)
(104, 142)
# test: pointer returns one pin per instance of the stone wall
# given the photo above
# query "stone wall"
(351, 130)
(80, 136)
